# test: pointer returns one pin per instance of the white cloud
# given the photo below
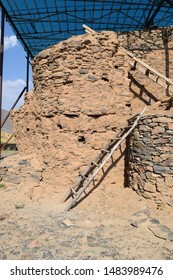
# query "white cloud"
(11, 90)
(14, 84)
(10, 42)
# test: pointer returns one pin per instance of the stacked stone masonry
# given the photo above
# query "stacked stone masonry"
(150, 150)
(82, 96)
(79, 86)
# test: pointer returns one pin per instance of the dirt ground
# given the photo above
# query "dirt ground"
(112, 222)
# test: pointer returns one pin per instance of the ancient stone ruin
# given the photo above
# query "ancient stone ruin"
(81, 97)
(83, 94)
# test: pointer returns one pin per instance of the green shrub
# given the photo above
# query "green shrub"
(2, 186)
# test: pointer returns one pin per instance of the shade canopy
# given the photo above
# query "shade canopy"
(40, 24)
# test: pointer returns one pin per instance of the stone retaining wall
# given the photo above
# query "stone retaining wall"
(150, 153)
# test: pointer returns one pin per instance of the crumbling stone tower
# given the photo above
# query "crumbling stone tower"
(79, 85)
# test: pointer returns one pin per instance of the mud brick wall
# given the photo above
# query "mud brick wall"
(150, 149)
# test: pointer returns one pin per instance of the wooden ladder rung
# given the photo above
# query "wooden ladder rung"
(105, 151)
(127, 126)
(73, 191)
(117, 138)
(94, 163)
(83, 176)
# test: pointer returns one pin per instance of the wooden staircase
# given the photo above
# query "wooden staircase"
(143, 67)
(150, 72)
(98, 163)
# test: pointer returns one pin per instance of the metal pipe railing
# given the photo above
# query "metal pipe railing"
(2, 147)
(5, 119)
(17, 100)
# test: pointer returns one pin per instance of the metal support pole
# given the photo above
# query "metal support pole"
(1, 63)
(27, 72)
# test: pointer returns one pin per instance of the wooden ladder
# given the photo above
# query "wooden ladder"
(150, 72)
(95, 166)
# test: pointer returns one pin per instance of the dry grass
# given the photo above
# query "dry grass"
(5, 136)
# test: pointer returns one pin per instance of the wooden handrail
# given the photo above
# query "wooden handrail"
(170, 82)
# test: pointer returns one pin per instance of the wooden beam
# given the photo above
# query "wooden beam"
(88, 29)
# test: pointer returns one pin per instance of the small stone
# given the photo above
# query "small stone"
(92, 78)
(141, 169)
(170, 126)
(151, 176)
(33, 244)
(170, 202)
(36, 177)
(165, 229)
(47, 255)
(83, 71)
(158, 129)
(139, 222)
(150, 168)
(44, 54)
(154, 221)
(152, 124)
(167, 156)
(134, 186)
(162, 120)
(148, 187)
(136, 135)
(3, 216)
(26, 257)
(15, 179)
(23, 162)
(160, 141)
(168, 162)
(170, 236)
(161, 169)
(143, 177)
(144, 128)
(157, 159)
(169, 132)
(67, 223)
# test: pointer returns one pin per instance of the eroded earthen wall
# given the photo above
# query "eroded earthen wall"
(80, 99)
(82, 96)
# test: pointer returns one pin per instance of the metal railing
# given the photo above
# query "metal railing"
(6, 117)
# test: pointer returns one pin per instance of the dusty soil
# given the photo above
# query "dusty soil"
(112, 222)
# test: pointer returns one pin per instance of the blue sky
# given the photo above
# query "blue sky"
(14, 73)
